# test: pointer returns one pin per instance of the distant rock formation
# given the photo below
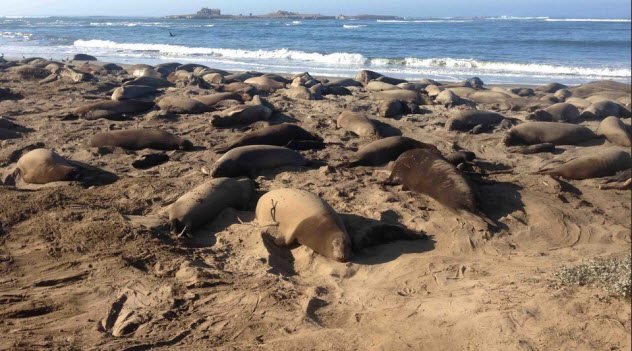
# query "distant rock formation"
(207, 13)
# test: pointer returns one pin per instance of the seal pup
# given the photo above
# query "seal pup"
(41, 166)
(357, 123)
(557, 133)
(242, 115)
(615, 131)
(385, 150)
(292, 215)
(248, 160)
(600, 164)
(202, 204)
(138, 139)
(279, 135)
(425, 172)
(114, 110)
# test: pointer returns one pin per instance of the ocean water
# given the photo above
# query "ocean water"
(498, 50)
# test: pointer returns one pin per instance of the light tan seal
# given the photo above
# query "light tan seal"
(615, 131)
(357, 123)
(293, 215)
(202, 204)
(41, 166)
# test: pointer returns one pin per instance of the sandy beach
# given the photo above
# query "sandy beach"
(90, 262)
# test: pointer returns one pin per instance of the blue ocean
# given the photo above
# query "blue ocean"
(497, 49)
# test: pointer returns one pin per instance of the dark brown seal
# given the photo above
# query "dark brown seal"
(600, 164)
(425, 172)
(385, 150)
(138, 139)
(279, 135)
(557, 133)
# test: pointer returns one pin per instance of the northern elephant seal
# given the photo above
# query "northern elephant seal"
(600, 164)
(385, 150)
(605, 108)
(150, 82)
(248, 160)
(357, 123)
(128, 92)
(41, 166)
(242, 115)
(425, 172)
(182, 105)
(265, 83)
(279, 135)
(111, 109)
(293, 215)
(560, 112)
(138, 139)
(615, 131)
(466, 120)
(213, 99)
(531, 133)
(202, 204)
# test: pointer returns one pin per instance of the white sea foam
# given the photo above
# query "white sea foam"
(16, 35)
(347, 61)
(340, 58)
(588, 20)
(350, 26)
(426, 21)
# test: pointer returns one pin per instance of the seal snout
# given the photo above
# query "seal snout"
(341, 249)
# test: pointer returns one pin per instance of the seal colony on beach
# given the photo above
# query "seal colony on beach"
(335, 204)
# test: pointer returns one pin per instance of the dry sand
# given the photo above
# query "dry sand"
(95, 267)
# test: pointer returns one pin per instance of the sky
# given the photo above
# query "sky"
(407, 8)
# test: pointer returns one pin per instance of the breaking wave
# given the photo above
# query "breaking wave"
(343, 59)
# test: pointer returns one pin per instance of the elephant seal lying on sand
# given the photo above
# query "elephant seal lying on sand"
(600, 164)
(113, 110)
(615, 131)
(531, 133)
(41, 166)
(242, 115)
(385, 150)
(292, 215)
(279, 135)
(425, 172)
(466, 120)
(357, 123)
(248, 160)
(202, 204)
(138, 139)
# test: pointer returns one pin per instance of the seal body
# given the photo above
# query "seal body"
(357, 123)
(425, 172)
(468, 119)
(385, 150)
(600, 164)
(241, 115)
(293, 215)
(279, 135)
(111, 109)
(248, 160)
(127, 92)
(213, 99)
(41, 166)
(561, 112)
(182, 105)
(202, 204)
(615, 131)
(531, 133)
(138, 139)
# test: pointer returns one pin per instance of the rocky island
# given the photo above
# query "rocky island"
(207, 13)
